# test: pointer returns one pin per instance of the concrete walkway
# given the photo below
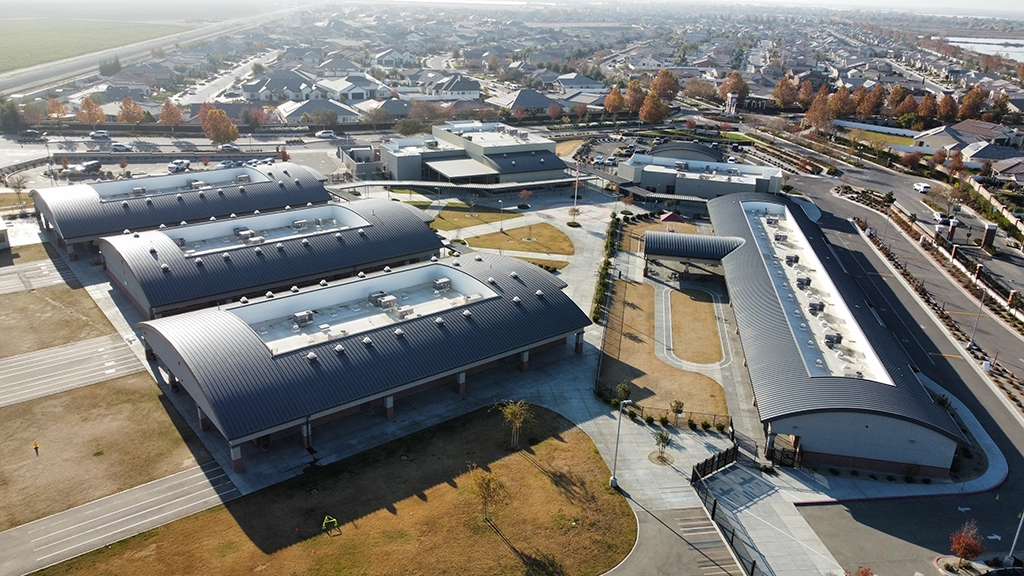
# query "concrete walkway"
(32, 275)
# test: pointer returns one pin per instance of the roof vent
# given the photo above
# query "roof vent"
(162, 226)
(362, 232)
(288, 207)
(338, 235)
(456, 253)
(294, 289)
(199, 261)
(387, 268)
(539, 294)
(136, 235)
(124, 203)
(323, 282)
(152, 249)
(179, 197)
(399, 332)
(285, 172)
(456, 263)
(183, 223)
(202, 194)
(270, 174)
(226, 256)
(269, 294)
(513, 162)
(367, 341)
(541, 160)
(513, 274)
(165, 267)
(439, 321)
(244, 300)
(280, 183)
(466, 313)
(516, 299)
(305, 241)
(478, 258)
(308, 204)
(233, 215)
(311, 356)
(213, 218)
(220, 191)
(279, 246)
(258, 250)
(149, 201)
(255, 211)
(241, 189)
(433, 258)
(297, 181)
(361, 275)
(339, 349)
(491, 280)
(126, 232)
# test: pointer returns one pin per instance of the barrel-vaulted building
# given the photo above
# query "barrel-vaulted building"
(187, 267)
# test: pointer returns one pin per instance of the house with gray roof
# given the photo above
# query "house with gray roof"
(170, 271)
(281, 365)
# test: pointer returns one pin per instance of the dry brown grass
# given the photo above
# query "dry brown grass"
(93, 441)
(556, 264)
(405, 508)
(69, 315)
(629, 356)
(566, 148)
(28, 253)
(546, 239)
(694, 327)
(634, 232)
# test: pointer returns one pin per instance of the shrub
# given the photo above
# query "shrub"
(573, 224)
(720, 427)
(691, 424)
(615, 402)
(649, 419)
(663, 420)
(705, 425)
(949, 567)
(632, 415)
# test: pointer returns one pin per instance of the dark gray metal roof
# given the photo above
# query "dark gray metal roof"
(519, 162)
(251, 390)
(779, 377)
(694, 246)
(397, 231)
(79, 214)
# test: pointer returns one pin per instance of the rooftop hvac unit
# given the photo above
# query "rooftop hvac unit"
(816, 307)
(242, 178)
(374, 297)
(833, 340)
(180, 242)
(803, 282)
(238, 231)
(404, 312)
(431, 144)
(469, 138)
(681, 166)
(771, 221)
(304, 318)
(792, 259)
(139, 191)
(255, 240)
(442, 284)
(245, 234)
(299, 225)
(319, 222)
(388, 302)
(197, 184)
(780, 237)
(513, 132)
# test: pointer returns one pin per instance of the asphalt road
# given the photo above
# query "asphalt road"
(67, 534)
(54, 370)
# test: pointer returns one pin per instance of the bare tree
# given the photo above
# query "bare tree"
(574, 212)
(516, 415)
(18, 183)
(488, 488)
(662, 439)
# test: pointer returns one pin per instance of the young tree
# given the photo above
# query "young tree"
(408, 127)
(677, 408)
(634, 96)
(574, 212)
(948, 109)
(488, 488)
(956, 164)
(986, 169)
(516, 415)
(325, 117)
(55, 110)
(257, 69)
(734, 83)
(666, 85)
(806, 94)
(122, 163)
(580, 110)
(90, 113)
(130, 112)
(493, 64)
(662, 439)
(911, 160)
(170, 115)
(654, 109)
(970, 109)
(624, 390)
(17, 182)
(614, 102)
(554, 111)
(785, 93)
(966, 542)
(518, 112)
(204, 113)
(378, 116)
(928, 108)
(938, 159)
(219, 128)
(284, 156)
(10, 119)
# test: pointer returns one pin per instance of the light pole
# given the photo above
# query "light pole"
(613, 481)
(981, 307)
(1009, 557)
(49, 161)
(501, 216)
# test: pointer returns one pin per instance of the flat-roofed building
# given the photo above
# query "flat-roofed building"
(284, 363)
(189, 267)
(697, 178)
(82, 214)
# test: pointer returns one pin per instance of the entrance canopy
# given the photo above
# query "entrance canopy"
(461, 168)
(672, 246)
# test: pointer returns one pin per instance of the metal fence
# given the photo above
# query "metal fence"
(713, 464)
(751, 561)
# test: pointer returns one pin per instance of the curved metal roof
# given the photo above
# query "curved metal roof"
(250, 390)
(688, 151)
(689, 246)
(81, 213)
(779, 377)
(396, 231)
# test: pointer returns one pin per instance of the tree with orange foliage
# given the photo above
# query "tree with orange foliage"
(948, 109)
(654, 109)
(55, 110)
(806, 94)
(90, 113)
(928, 108)
(635, 96)
(130, 112)
(170, 115)
(219, 128)
(666, 85)
(614, 102)
(966, 542)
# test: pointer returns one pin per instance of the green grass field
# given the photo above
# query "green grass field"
(29, 42)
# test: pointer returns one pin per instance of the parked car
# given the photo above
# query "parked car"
(224, 164)
(325, 134)
(91, 166)
(118, 147)
(599, 160)
(99, 135)
(30, 136)
(922, 187)
(229, 148)
(731, 160)
(267, 161)
(252, 162)
(178, 166)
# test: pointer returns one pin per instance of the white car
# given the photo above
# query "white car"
(922, 187)
(99, 135)
(178, 166)
(229, 148)
(325, 134)
(118, 147)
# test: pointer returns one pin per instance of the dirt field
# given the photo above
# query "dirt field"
(93, 441)
(694, 327)
(69, 315)
(456, 215)
(29, 253)
(406, 508)
(545, 239)
(634, 232)
(629, 356)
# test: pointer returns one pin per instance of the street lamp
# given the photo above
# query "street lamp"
(501, 216)
(981, 307)
(49, 160)
(1009, 557)
(613, 481)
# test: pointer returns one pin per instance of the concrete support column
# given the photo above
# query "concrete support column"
(524, 361)
(307, 435)
(174, 382)
(71, 252)
(150, 354)
(204, 422)
(579, 343)
(236, 458)
(460, 379)
(389, 406)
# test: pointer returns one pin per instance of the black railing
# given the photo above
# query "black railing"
(751, 561)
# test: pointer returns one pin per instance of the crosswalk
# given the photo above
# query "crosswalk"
(713, 556)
